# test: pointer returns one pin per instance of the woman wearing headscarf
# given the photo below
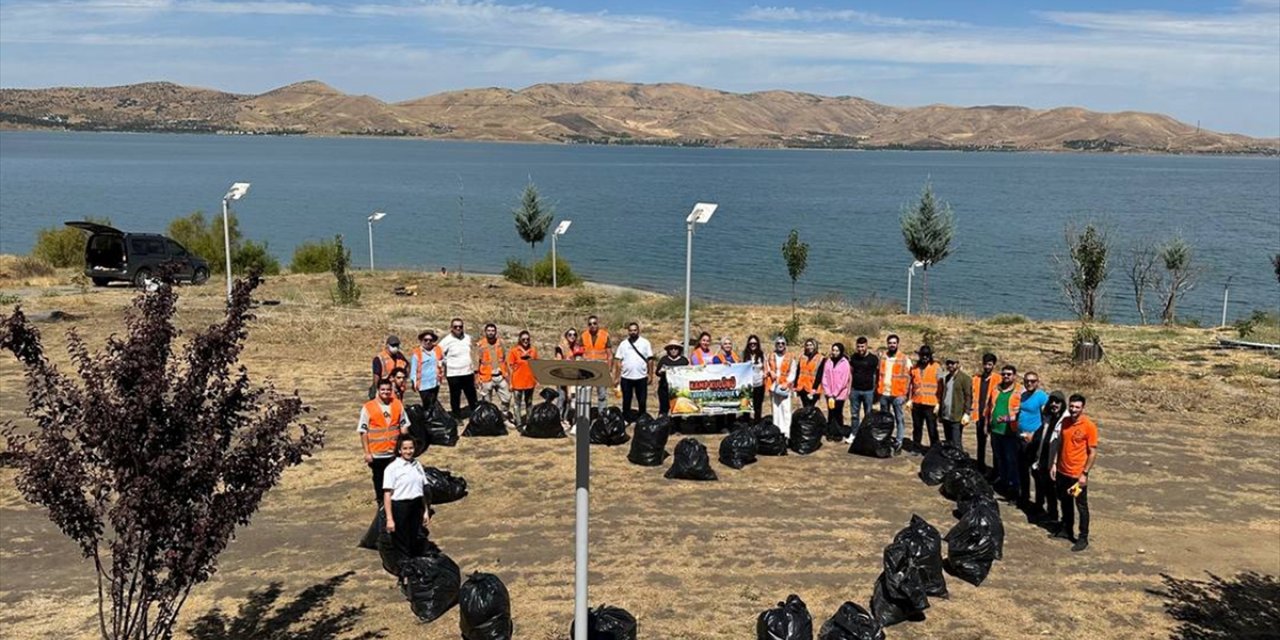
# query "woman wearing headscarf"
(836, 377)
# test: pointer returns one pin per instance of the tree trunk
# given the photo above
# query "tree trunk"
(1169, 304)
(793, 300)
(924, 289)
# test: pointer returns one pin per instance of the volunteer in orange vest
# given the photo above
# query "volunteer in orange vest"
(492, 374)
(1002, 422)
(386, 362)
(780, 381)
(426, 368)
(978, 411)
(522, 380)
(597, 346)
(1078, 450)
(923, 390)
(702, 353)
(726, 355)
(895, 368)
(809, 374)
(382, 420)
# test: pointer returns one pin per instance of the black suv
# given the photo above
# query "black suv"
(111, 254)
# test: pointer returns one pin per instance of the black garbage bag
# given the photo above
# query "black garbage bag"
(851, 622)
(649, 444)
(807, 426)
(836, 432)
(608, 623)
(484, 608)
(925, 546)
(991, 510)
(443, 487)
(965, 483)
(875, 435)
(691, 462)
(370, 539)
(899, 593)
(972, 545)
(701, 425)
(388, 553)
(738, 449)
(609, 428)
(789, 620)
(431, 584)
(430, 426)
(940, 461)
(544, 421)
(486, 420)
(769, 439)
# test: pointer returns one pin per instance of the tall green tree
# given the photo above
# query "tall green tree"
(928, 228)
(533, 218)
(796, 254)
(203, 237)
(1085, 269)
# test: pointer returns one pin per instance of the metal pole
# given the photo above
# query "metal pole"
(911, 271)
(370, 245)
(688, 281)
(226, 244)
(553, 261)
(1225, 291)
(582, 448)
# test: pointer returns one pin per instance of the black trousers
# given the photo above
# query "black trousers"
(1026, 456)
(953, 432)
(429, 397)
(757, 402)
(459, 385)
(378, 466)
(835, 415)
(808, 399)
(924, 415)
(664, 397)
(1070, 504)
(637, 390)
(409, 536)
(981, 429)
(1046, 492)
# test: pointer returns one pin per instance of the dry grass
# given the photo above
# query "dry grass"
(1187, 475)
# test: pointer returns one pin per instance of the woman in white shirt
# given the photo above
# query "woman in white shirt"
(404, 501)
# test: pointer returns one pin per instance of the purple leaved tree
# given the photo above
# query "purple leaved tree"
(149, 460)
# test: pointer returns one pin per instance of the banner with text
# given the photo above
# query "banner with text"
(710, 389)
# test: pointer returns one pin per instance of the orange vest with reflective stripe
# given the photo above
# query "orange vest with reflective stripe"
(383, 430)
(597, 349)
(700, 357)
(724, 358)
(808, 373)
(422, 361)
(893, 376)
(522, 378)
(390, 362)
(491, 354)
(924, 385)
(992, 383)
(1015, 403)
(771, 376)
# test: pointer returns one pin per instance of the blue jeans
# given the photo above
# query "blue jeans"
(896, 403)
(860, 403)
(1006, 449)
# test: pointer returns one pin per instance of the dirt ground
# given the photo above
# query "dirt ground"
(1186, 483)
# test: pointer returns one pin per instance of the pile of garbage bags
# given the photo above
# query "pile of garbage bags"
(431, 426)
(609, 428)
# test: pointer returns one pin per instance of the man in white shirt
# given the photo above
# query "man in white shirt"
(633, 370)
(780, 381)
(458, 368)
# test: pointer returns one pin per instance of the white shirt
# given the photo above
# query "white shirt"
(635, 357)
(457, 354)
(404, 479)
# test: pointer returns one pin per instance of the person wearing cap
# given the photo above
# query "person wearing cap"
(953, 408)
(780, 381)
(1002, 422)
(922, 388)
(674, 357)
(387, 361)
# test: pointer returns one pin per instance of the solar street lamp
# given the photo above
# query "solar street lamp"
(560, 230)
(237, 191)
(911, 272)
(374, 217)
(700, 215)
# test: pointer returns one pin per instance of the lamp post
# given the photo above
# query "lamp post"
(911, 272)
(560, 230)
(374, 217)
(1225, 290)
(700, 215)
(237, 191)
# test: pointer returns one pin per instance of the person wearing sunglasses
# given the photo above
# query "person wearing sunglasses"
(459, 369)
(1030, 415)
(752, 354)
(1003, 426)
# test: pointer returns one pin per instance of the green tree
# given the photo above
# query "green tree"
(345, 290)
(796, 254)
(928, 229)
(313, 257)
(63, 246)
(1085, 269)
(533, 218)
(1180, 274)
(204, 238)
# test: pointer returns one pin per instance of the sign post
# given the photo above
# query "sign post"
(560, 230)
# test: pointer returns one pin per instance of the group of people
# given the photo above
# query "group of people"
(1039, 441)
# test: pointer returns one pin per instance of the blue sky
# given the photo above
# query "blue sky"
(1213, 62)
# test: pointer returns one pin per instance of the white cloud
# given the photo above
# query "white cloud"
(1259, 26)
(792, 14)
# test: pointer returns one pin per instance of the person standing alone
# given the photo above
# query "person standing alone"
(458, 368)
(633, 371)
(1078, 452)
(894, 377)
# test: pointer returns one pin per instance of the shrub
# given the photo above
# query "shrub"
(345, 290)
(584, 300)
(869, 327)
(517, 271)
(933, 337)
(1008, 319)
(313, 257)
(791, 331)
(252, 257)
(32, 267)
(824, 320)
(204, 238)
(565, 276)
(1260, 324)
(63, 247)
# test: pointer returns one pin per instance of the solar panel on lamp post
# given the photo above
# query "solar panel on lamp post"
(560, 230)
(374, 217)
(700, 215)
(237, 191)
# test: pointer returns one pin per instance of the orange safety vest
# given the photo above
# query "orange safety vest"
(808, 373)
(700, 357)
(521, 372)
(489, 355)
(597, 350)
(992, 383)
(390, 362)
(383, 429)
(893, 376)
(924, 385)
(1015, 403)
(724, 358)
(769, 377)
(417, 353)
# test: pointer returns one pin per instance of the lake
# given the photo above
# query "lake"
(628, 206)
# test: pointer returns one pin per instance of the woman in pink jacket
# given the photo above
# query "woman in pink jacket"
(835, 385)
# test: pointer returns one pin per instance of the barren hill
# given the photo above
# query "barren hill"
(614, 113)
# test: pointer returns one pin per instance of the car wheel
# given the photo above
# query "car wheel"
(101, 282)
(200, 276)
(140, 277)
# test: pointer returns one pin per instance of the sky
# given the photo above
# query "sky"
(1216, 63)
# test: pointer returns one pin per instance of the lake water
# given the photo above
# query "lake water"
(628, 206)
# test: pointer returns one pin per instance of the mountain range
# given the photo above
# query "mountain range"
(600, 112)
